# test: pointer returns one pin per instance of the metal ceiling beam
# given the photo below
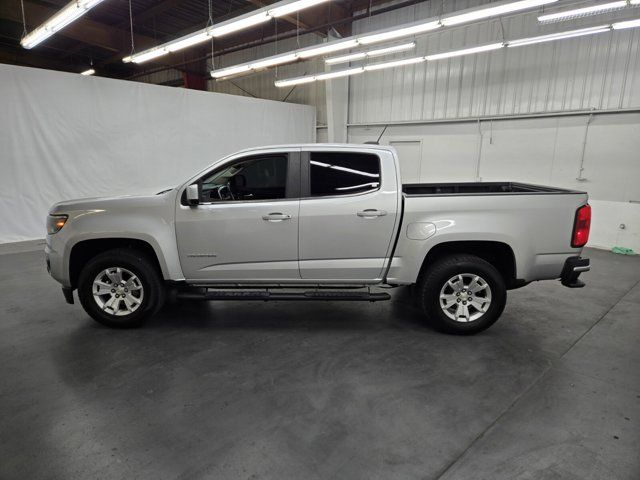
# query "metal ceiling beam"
(149, 13)
(300, 21)
(83, 30)
(138, 19)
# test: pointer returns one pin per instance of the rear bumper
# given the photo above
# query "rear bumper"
(572, 269)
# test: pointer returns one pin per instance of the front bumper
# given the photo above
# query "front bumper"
(54, 258)
(572, 269)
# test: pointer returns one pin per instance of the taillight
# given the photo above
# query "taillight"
(581, 226)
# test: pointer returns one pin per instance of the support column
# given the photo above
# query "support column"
(337, 93)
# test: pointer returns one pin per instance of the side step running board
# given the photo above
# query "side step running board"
(265, 295)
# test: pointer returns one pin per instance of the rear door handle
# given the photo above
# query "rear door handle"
(276, 217)
(371, 212)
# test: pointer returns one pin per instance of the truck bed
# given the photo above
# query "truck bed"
(479, 188)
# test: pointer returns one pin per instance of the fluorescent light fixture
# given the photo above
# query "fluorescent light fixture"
(242, 22)
(294, 81)
(415, 28)
(227, 72)
(91, 71)
(465, 51)
(70, 12)
(581, 12)
(188, 41)
(398, 33)
(488, 12)
(146, 55)
(339, 73)
(558, 36)
(627, 24)
(269, 62)
(321, 76)
(395, 63)
(294, 7)
(371, 53)
(346, 58)
(394, 49)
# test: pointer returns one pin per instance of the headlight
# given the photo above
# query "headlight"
(55, 223)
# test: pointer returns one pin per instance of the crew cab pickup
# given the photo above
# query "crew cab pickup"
(317, 222)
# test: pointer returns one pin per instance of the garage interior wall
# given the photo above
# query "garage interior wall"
(261, 84)
(67, 136)
(563, 113)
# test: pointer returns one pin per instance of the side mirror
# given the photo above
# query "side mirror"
(193, 194)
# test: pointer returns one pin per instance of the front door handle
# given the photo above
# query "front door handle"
(276, 217)
(371, 213)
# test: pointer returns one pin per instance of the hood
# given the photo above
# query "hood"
(114, 202)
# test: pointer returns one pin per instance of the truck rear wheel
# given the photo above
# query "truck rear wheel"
(462, 294)
(120, 288)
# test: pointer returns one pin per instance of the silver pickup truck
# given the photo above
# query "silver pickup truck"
(317, 222)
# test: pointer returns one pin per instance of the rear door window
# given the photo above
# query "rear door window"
(343, 173)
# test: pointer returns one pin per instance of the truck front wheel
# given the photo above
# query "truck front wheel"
(120, 288)
(462, 294)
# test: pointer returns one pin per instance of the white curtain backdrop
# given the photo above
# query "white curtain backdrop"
(65, 136)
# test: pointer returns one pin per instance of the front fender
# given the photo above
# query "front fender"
(148, 219)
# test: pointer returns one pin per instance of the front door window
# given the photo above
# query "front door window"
(257, 178)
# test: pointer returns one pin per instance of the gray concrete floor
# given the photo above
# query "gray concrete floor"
(317, 391)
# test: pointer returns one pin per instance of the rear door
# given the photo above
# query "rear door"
(348, 213)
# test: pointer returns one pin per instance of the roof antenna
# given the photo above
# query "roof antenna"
(377, 142)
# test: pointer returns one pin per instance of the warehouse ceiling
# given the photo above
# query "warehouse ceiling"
(102, 37)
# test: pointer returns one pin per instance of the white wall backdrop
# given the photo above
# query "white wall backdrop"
(67, 136)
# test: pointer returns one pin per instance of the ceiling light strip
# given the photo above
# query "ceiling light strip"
(558, 36)
(457, 53)
(627, 24)
(232, 25)
(70, 12)
(415, 28)
(371, 53)
(392, 64)
(582, 12)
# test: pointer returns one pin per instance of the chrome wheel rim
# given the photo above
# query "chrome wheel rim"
(465, 297)
(117, 291)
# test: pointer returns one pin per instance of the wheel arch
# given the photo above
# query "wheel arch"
(85, 250)
(497, 253)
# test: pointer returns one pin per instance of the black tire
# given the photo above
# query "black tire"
(137, 263)
(435, 278)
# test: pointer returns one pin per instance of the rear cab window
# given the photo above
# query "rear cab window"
(343, 173)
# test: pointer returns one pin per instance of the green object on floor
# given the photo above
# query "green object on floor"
(623, 251)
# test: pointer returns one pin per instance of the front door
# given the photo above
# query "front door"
(245, 227)
(347, 215)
